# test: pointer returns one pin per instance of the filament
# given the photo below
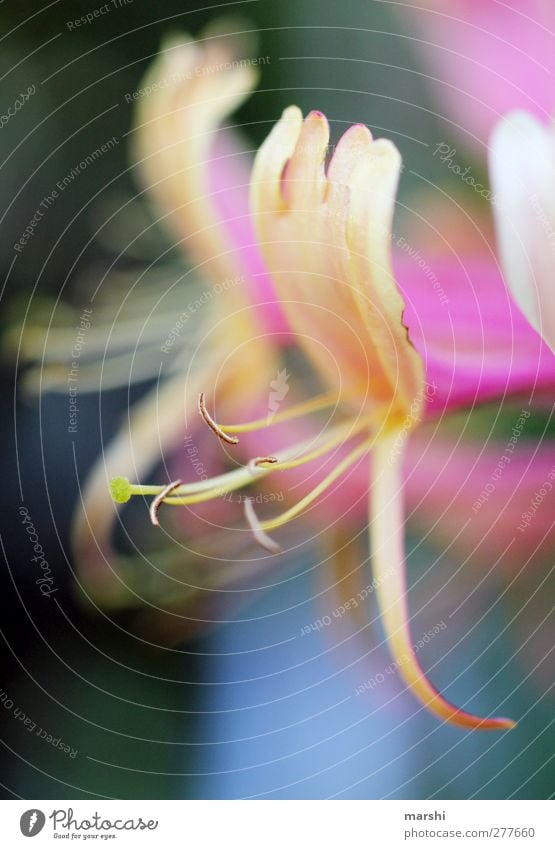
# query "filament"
(292, 512)
(246, 474)
(206, 490)
(328, 445)
(313, 405)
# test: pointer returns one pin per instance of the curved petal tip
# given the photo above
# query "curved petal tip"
(387, 523)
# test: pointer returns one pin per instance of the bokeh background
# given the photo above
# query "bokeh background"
(251, 708)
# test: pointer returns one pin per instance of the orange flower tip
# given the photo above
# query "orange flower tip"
(504, 724)
(466, 720)
(231, 440)
(156, 502)
(497, 724)
(120, 490)
(259, 534)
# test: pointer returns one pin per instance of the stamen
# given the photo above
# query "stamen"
(193, 493)
(260, 536)
(155, 506)
(232, 440)
(238, 478)
(342, 435)
(341, 467)
(313, 405)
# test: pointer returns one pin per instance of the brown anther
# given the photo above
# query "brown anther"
(232, 440)
(260, 535)
(258, 461)
(155, 505)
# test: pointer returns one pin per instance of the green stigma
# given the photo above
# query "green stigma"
(120, 489)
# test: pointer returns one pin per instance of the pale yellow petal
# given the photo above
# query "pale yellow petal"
(185, 96)
(326, 241)
(388, 559)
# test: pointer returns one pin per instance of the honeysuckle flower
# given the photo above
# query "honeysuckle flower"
(522, 167)
(322, 250)
(325, 235)
(485, 59)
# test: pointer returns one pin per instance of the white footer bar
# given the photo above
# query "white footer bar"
(279, 824)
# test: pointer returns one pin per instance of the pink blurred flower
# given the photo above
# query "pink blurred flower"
(486, 58)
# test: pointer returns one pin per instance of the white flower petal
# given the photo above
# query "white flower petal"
(522, 169)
